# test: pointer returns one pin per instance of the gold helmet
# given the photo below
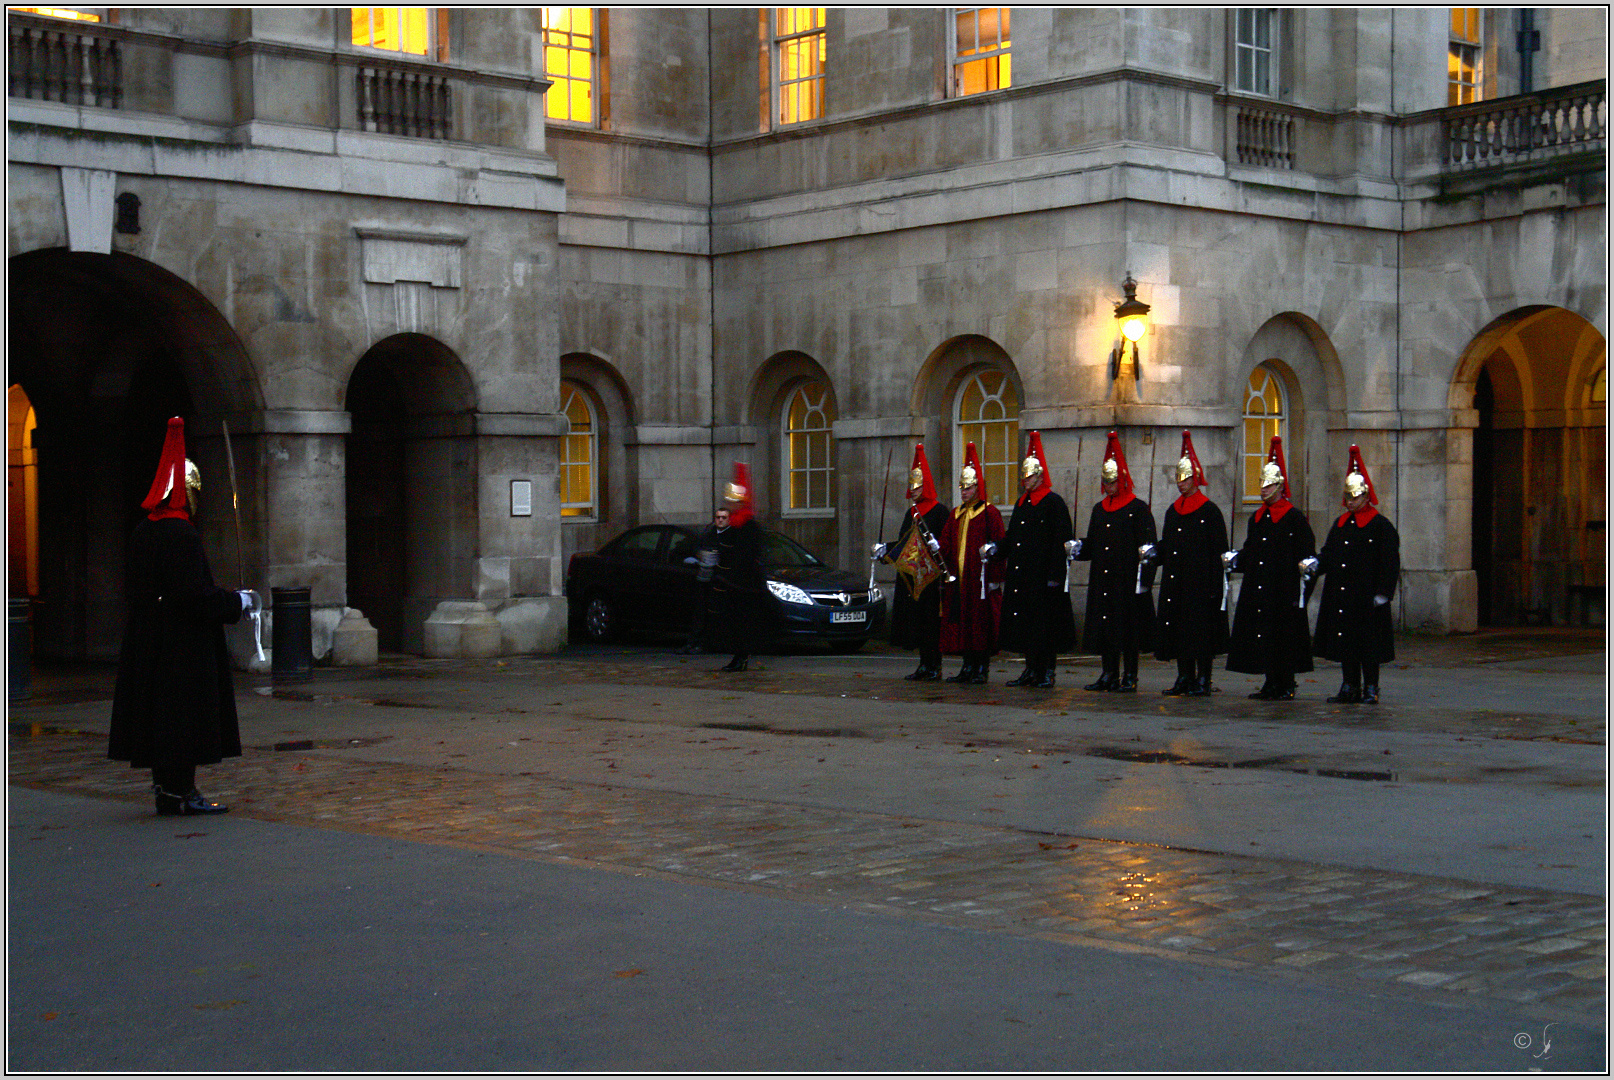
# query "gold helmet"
(1271, 474)
(968, 477)
(916, 478)
(1185, 468)
(733, 492)
(1355, 485)
(193, 485)
(1030, 467)
(1110, 471)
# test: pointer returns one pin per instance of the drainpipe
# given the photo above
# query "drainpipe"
(1528, 42)
(711, 274)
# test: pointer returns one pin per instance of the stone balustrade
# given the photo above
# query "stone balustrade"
(1263, 136)
(73, 63)
(403, 100)
(1526, 127)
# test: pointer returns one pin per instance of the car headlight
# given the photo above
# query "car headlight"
(875, 595)
(790, 594)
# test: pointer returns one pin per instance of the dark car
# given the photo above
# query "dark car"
(644, 581)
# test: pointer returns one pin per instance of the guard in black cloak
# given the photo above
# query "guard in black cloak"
(1361, 561)
(173, 706)
(1270, 632)
(1120, 607)
(916, 619)
(1036, 618)
(1191, 622)
(738, 615)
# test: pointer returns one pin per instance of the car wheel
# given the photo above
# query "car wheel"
(599, 618)
(847, 646)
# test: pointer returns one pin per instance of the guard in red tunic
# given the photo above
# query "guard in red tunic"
(971, 603)
(1036, 619)
(173, 707)
(738, 615)
(1361, 560)
(1120, 607)
(1191, 623)
(916, 602)
(1270, 633)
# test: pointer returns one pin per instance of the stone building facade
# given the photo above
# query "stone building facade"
(601, 254)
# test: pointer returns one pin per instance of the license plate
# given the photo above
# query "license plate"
(848, 616)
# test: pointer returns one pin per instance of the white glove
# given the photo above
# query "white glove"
(246, 596)
(1380, 601)
(988, 550)
(877, 551)
(1146, 552)
(1073, 548)
(933, 544)
(1230, 560)
(1310, 565)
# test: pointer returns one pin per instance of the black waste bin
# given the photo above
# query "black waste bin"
(20, 658)
(292, 637)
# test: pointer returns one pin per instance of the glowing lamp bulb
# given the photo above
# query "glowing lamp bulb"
(1132, 329)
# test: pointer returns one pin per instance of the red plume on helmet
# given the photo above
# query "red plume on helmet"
(1275, 456)
(1188, 452)
(926, 485)
(166, 498)
(972, 460)
(1044, 484)
(1123, 476)
(1357, 465)
(738, 495)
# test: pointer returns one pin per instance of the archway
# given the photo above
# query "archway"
(1535, 381)
(411, 486)
(794, 464)
(971, 384)
(105, 348)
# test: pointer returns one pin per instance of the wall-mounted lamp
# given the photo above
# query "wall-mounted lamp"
(1132, 318)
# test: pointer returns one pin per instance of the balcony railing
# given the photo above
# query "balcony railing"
(1264, 137)
(404, 101)
(1527, 127)
(73, 67)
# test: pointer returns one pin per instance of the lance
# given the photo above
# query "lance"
(885, 499)
(240, 554)
(1075, 505)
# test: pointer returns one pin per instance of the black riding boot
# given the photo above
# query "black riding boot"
(1129, 676)
(1185, 679)
(1202, 682)
(1108, 679)
(1370, 683)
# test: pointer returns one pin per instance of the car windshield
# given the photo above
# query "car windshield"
(780, 550)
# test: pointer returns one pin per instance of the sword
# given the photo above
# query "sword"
(256, 610)
(885, 500)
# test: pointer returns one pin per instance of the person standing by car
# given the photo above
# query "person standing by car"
(706, 557)
(1120, 608)
(1362, 561)
(1270, 634)
(1191, 624)
(1037, 620)
(737, 612)
(971, 602)
(916, 613)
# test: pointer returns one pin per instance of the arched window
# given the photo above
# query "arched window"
(809, 450)
(987, 413)
(1266, 413)
(1599, 393)
(579, 455)
(22, 483)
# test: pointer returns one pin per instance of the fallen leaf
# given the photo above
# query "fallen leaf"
(49, 1016)
(628, 974)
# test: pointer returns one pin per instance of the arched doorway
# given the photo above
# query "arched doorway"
(411, 486)
(105, 348)
(1536, 382)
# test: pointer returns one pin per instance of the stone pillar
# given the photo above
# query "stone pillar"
(302, 458)
(518, 573)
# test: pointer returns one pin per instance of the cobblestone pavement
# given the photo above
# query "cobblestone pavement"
(1392, 932)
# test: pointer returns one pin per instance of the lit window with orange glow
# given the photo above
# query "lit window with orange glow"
(396, 29)
(809, 445)
(1463, 56)
(22, 488)
(980, 50)
(1266, 413)
(796, 63)
(77, 14)
(579, 455)
(986, 412)
(571, 53)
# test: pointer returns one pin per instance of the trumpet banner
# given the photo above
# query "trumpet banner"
(916, 565)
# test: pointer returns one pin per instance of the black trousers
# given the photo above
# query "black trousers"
(174, 779)
(1113, 661)
(1189, 667)
(1360, 672)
